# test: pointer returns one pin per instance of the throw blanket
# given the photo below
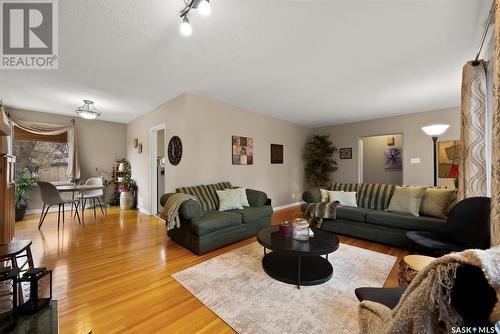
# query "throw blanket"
(427, 299)
(316, 212)
(170, 211)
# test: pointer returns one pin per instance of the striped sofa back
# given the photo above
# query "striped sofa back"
(375, 196)
(344, 186)
(206, 194)
(212, 188)
(369, 196)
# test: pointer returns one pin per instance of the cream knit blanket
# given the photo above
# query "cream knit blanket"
(427, 299)
(170, 211)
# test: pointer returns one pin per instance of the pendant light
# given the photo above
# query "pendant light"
(202, 5)
(88, 110)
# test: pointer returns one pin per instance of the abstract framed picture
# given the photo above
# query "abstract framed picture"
(345, 153)
(393, 158)
(276, 154)
(448, 158)
(242, 150)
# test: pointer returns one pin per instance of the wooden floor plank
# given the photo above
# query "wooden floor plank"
(113, 274)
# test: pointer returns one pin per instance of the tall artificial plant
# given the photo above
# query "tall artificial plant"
(319, 162)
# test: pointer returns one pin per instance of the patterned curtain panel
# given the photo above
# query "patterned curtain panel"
(495, 177)
(472, 174)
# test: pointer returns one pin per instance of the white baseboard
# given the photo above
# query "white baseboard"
(143, 210)
(286, 206)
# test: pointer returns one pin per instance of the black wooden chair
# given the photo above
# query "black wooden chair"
(471, 296)
(468, 227)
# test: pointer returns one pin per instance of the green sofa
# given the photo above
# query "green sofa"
(369, 220)
(205, 228)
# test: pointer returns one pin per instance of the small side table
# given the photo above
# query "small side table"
(409, 267)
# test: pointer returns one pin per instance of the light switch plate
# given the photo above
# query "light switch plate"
(415, 160)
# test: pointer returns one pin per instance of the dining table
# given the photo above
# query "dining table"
(79, 188)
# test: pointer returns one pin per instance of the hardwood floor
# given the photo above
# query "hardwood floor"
(113, 274)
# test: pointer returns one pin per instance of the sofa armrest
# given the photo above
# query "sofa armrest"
(188, 210)
(312, 195)
(256, 198)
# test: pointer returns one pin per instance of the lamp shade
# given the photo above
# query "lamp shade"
(435, 129)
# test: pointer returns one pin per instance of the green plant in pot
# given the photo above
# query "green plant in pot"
(127, 190)
(319, 162)
(23, 185)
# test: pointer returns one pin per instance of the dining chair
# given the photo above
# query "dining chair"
(94, 195)
(51, 197)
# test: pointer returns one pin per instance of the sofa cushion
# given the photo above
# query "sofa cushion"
(212, 189)
(407, 200)
(351, 213)
(375, 196)
(252, 214)
(435, 202)
(256, 197)
(404, 222)
(229, 199)
(208, 202)
(214, 221)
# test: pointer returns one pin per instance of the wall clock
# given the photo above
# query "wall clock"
(174, 150)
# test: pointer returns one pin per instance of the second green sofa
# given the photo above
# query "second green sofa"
(370, 220)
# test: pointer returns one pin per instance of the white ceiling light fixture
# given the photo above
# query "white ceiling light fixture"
(202, 5)
(88, 110)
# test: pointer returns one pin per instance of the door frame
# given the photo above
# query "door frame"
(153, 177)
(361, 151)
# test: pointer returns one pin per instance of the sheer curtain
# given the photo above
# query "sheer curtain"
(53, 129)
(472, 173)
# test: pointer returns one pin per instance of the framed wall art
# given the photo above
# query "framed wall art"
(276, 154)
(448, 158)
(345, 153)
(393, 158)
(242, 153)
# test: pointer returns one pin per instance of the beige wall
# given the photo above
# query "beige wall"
(373, 160)
(205, 127)
(416, 143)
(100, 143)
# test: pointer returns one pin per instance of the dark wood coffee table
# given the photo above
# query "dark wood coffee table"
(298, 262)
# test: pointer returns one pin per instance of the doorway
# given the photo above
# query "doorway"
(157, 163)
(381, 159)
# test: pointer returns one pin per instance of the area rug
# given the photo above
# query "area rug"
(236, 288)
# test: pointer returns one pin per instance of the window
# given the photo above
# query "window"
(45, 157)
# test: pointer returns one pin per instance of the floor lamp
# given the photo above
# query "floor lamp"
(434, 131)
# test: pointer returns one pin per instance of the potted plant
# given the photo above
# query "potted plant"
(127, 193)
(23, 185)
(319, 162)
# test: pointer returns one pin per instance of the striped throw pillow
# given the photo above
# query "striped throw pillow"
(375, 196)
(202, 193)
(212, 189)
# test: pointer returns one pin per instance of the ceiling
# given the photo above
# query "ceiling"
(314, 63)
